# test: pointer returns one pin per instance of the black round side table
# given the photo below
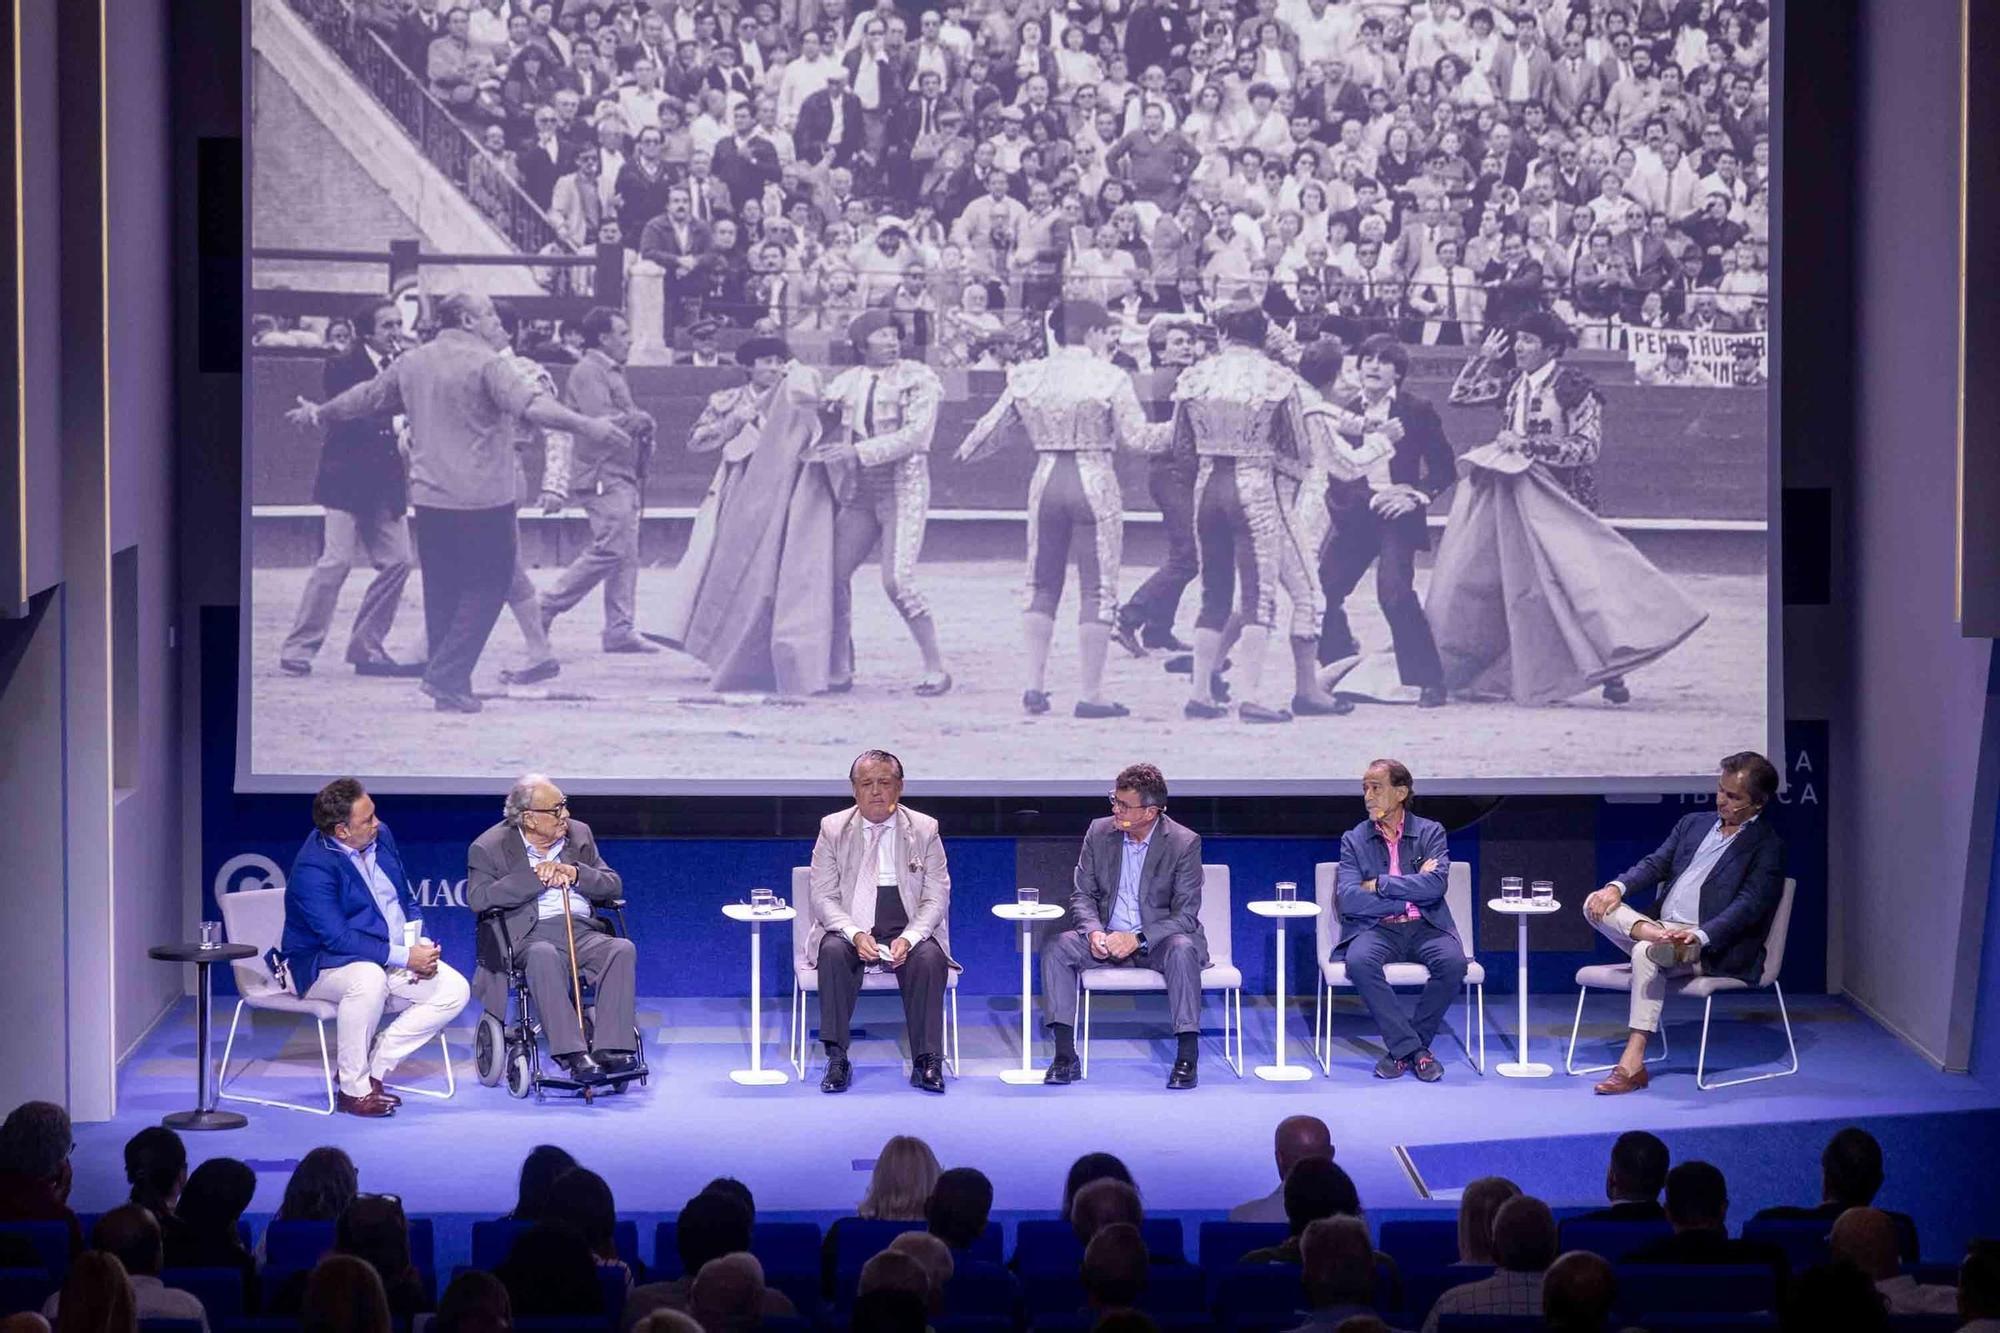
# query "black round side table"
(204, 1116)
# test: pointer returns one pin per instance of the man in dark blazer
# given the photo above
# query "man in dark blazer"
(1698, 1208)
(1633, 1180)
(353, 939)
(1389, 889)
(1379, 519)
(1719, 877)
(363, 485)
(524, 863)
(1513, 284)
(830, 119)
(1136, 903)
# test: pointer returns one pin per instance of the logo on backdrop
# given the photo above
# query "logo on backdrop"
(249, 870)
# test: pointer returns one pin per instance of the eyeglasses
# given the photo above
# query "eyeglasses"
(1124, 809)
(559, 809)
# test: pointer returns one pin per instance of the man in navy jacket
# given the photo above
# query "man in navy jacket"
(352, 940)
(1390, 892)
(1719, 876)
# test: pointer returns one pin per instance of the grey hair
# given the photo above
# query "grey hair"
(455, 306)
(522, 795)
(875, 757)
(35, 1140)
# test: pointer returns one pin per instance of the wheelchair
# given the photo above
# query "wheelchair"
(511, 1050)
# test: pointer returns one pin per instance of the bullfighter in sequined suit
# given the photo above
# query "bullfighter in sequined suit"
(1075, 407)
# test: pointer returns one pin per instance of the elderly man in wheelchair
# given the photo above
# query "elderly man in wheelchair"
(552, 939)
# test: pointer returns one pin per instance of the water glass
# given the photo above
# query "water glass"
(1028, 896)
(1510, 888)
(1544, 892)
(211, 935)
(763, 900)
(1288, 891)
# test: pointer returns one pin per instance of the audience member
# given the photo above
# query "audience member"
(712, 1224)
(1297, 1138)
(1578, 1293)
(889, 1310)
(1851, 1175)
(345, 1295)
(35, 1145)
(728, 1294)
(539, 1171)
(1315, 1188)
(156, 1169)
(1092, 1166)
(96, 1297)
(211, 1205)
(551, 1271)
(1337, 1265)
(1979, 1287)
(934, 1255)
(668, 1321)
(1103, 1203)
(583, 1199)
(1524, 1245)
(322, 1185)
(1831, 1296)
(1698, 1207)
(735, 1189)
(374, 1230)
(24, 1321)
(1476, 1206)
(131, 1235)
(1866, 1238)
(475, 1302)
(960, 1205)
(1634, 1179)
(1115, 1267)
(899, 1190)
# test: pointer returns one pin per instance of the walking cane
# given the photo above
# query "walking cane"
(569, 930)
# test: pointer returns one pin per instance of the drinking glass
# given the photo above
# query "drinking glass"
(1544, 891)
(1510, 888)
(211, 934)
(1288, 891)
(1028, 896)
(763, 900)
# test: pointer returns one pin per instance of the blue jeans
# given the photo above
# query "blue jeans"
(1370, 952)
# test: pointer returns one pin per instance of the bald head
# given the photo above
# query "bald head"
(727, 1291)
(1578, 1293)
(1299, 1137)
(1866, 1238)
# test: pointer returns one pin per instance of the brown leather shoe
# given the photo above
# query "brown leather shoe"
(372, 1106)
(1622, 1082)
(378, 1090)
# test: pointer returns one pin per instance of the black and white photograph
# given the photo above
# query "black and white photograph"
(726, 388)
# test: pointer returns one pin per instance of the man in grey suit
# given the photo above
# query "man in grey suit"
(523, 864)
(1137, 903)
(881, 898)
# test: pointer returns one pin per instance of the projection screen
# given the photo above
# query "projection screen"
(446, 580)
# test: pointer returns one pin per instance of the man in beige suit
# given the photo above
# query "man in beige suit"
(881, 896)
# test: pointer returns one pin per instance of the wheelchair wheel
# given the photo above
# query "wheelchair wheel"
(489, 1050)
(520, 1076)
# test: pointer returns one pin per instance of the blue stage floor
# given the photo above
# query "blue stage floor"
(1193, 1153)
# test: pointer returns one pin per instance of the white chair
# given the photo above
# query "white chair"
(1221, 973)
(257, 917)
(1618, 977)
(1333, 973)
(805, 981)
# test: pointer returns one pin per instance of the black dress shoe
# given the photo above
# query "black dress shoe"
(1164, 640)
(450, 701)
(1391, 1067)
(370, 1107)
(1179, 666)
(1182, 1077)
(1305, 707)
(927, 1074)
(1195, 709)
(383, 666)
(1035, 701)
(1128, 639)
(1616, 693)
(295, 668)
(1084, 708)
(1433, 696)
(838, 1074)
(635, 644)
(616, 1062)
(1250, 712)
(1428, 1068)
(1064, 1069)
(581, 1067)
(532, 675)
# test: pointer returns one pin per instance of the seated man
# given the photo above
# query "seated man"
(540, 864)
(35, 1143)
(353, 938)
(133, 1235)
(1297, 1138)
(881, 897)
(1337, 1267)
(1851, 1174)
(1866, 1238)
(1698, 1207)
(1390, 890)
(1136, 903)
(1720, 877)
(1633, 1181)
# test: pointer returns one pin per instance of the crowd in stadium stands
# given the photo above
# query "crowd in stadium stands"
(922, 1252)
(1433, 168)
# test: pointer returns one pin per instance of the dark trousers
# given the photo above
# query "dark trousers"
(1158, 600)
(1178, 958)
(921, 978)
(468, 562)
(1411, 942)
(1360, 538)
(606, 961)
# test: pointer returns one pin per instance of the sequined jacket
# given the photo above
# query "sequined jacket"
(896, 429)
(1564, 418)
(1070, 401)
(1241, 404)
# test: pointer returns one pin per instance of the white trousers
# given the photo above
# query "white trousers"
(422, 1005)
(1649, 979)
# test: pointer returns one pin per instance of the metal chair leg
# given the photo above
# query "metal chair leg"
(1322, 1023)
(1086, 1032)
(1569, 1060)
(450, 1080)
(1482, 1027)
(1701, 1059)
(953, 1047)
(325, 1066)
(1236, 994)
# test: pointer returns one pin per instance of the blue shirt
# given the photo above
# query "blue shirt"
(1125, 906)
(385, 895)
(1683, 900)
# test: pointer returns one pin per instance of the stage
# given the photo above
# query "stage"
(1409, 1147)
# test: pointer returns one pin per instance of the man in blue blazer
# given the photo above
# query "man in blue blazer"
(1719, 877)
(1390, 892)
(352, 939)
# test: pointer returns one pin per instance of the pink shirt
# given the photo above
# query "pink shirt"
(1394, 837)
